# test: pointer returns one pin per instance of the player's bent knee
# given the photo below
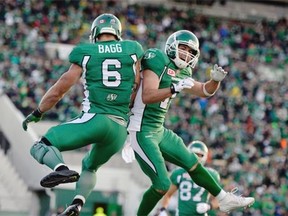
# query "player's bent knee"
(193, 167)
(38, 151)
(163, 186)
(194, 162)
(88, 165)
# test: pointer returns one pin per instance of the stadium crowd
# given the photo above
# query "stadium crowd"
(244, 124)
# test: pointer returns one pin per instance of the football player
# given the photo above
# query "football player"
(109, 68)
(192, 199)
(164, 75)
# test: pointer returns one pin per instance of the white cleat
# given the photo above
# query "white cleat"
(231, 202)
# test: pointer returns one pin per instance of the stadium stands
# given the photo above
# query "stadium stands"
(13, 191)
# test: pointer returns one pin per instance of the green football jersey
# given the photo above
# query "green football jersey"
(108, 75)
(189, 193)
(150, 117)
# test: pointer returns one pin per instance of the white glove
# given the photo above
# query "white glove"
(127, 151)
(202, 208)
(218, 73)
(186, 83)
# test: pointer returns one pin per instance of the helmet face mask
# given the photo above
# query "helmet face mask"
(199, 148)
(105, 23)
(183, 58)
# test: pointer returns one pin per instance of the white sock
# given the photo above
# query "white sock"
(58, 165)
(221, 195)
(82, 198)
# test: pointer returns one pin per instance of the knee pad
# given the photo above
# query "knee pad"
(88, 165)
(38, 151)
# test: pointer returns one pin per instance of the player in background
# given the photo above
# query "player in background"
(192, 199)
(164, 75)
(109, 68)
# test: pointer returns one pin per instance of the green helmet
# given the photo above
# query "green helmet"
(186, 38)
(105, 23)
(198, 147)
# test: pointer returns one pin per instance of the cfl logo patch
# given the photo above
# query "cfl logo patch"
(171, 72)
(111, 97)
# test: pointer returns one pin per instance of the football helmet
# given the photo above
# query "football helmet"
(198, 147)
(172, 50)
(105, 23)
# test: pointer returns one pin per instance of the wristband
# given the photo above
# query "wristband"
(172, 89)
(207, 93)
(37, 113)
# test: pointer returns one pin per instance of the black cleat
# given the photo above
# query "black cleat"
(72, 210)
(59, 177)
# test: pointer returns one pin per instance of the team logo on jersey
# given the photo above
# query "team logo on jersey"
(149, 55)
(111, 97)
(171, 72)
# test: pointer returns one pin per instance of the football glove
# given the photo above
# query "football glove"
(35, 116)
(218, 73)
(202, 208)
(186, 83)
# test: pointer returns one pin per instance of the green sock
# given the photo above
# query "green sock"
(149, 201)
(202, 177)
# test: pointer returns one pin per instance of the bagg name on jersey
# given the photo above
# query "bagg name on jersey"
(110, 48)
